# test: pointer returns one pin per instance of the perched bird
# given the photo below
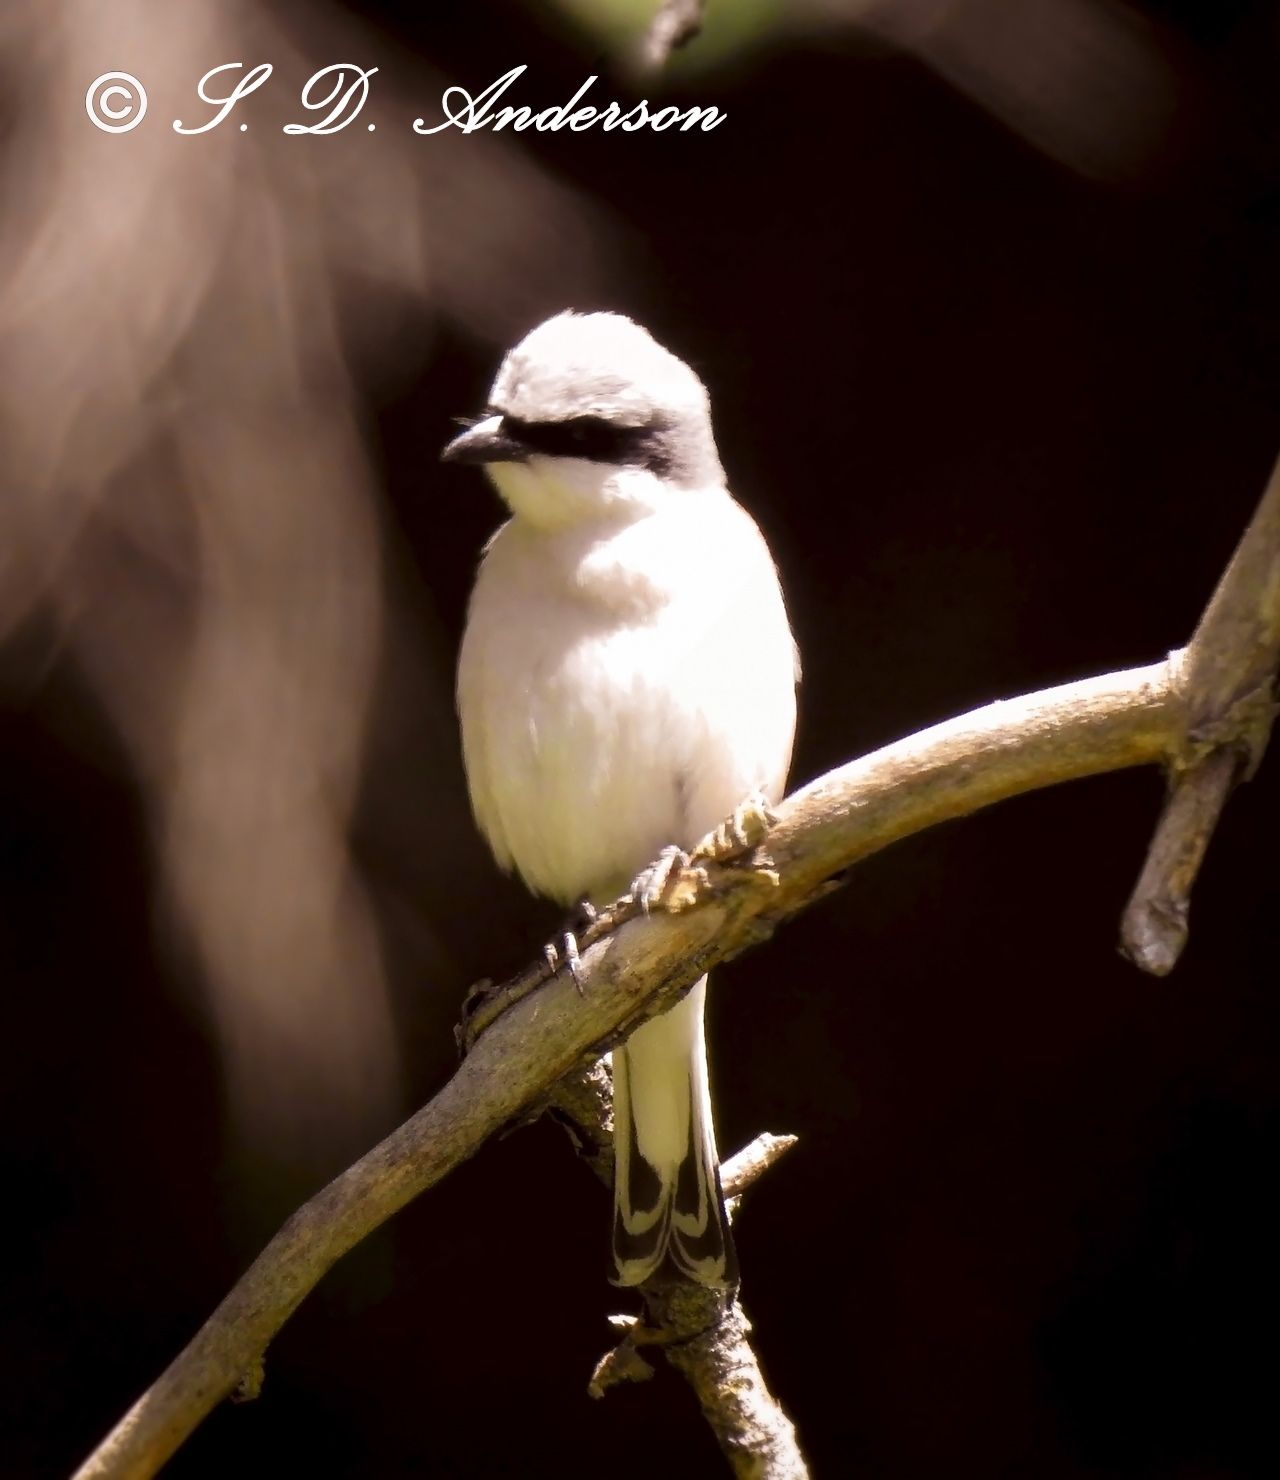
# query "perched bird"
(626, 679)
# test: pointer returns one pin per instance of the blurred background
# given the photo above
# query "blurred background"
(986, 296)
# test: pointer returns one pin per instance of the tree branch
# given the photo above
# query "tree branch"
(1080, 729)
(1229, 687)
(708, 1340)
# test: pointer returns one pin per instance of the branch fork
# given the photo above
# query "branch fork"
(1226, 680)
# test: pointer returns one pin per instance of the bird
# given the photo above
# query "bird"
(626, 680)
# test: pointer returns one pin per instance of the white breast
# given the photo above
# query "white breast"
(621, 689)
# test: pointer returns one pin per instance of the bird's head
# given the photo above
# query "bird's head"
(590, 417)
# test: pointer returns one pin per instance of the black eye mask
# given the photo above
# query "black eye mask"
(593, 438)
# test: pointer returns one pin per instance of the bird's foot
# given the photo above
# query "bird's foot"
(745, 829)
(676, 879)
(671, 882)
(579, 931)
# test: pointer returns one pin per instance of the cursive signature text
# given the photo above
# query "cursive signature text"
(469, 113)
(336, 96)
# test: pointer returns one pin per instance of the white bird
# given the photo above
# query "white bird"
(626, 680)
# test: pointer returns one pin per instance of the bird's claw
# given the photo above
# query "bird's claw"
(745, 829)
(566, 954)
(676, 879)
(656, 886)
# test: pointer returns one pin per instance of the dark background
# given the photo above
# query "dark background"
(1002, 424)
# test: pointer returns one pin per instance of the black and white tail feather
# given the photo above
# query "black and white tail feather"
(668, 1208)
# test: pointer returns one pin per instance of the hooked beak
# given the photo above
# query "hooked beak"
(486, 442)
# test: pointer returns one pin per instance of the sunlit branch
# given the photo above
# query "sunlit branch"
(1204, 713)
(633, 969)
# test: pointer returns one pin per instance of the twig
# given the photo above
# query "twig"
(752, 1162)
(1228, 682)
(675, 25)
(1153, 930)
(583, 1105)
(1101, 724)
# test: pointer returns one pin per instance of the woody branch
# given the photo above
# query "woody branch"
(1214, 699)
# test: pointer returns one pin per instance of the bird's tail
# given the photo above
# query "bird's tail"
(668, 1210)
